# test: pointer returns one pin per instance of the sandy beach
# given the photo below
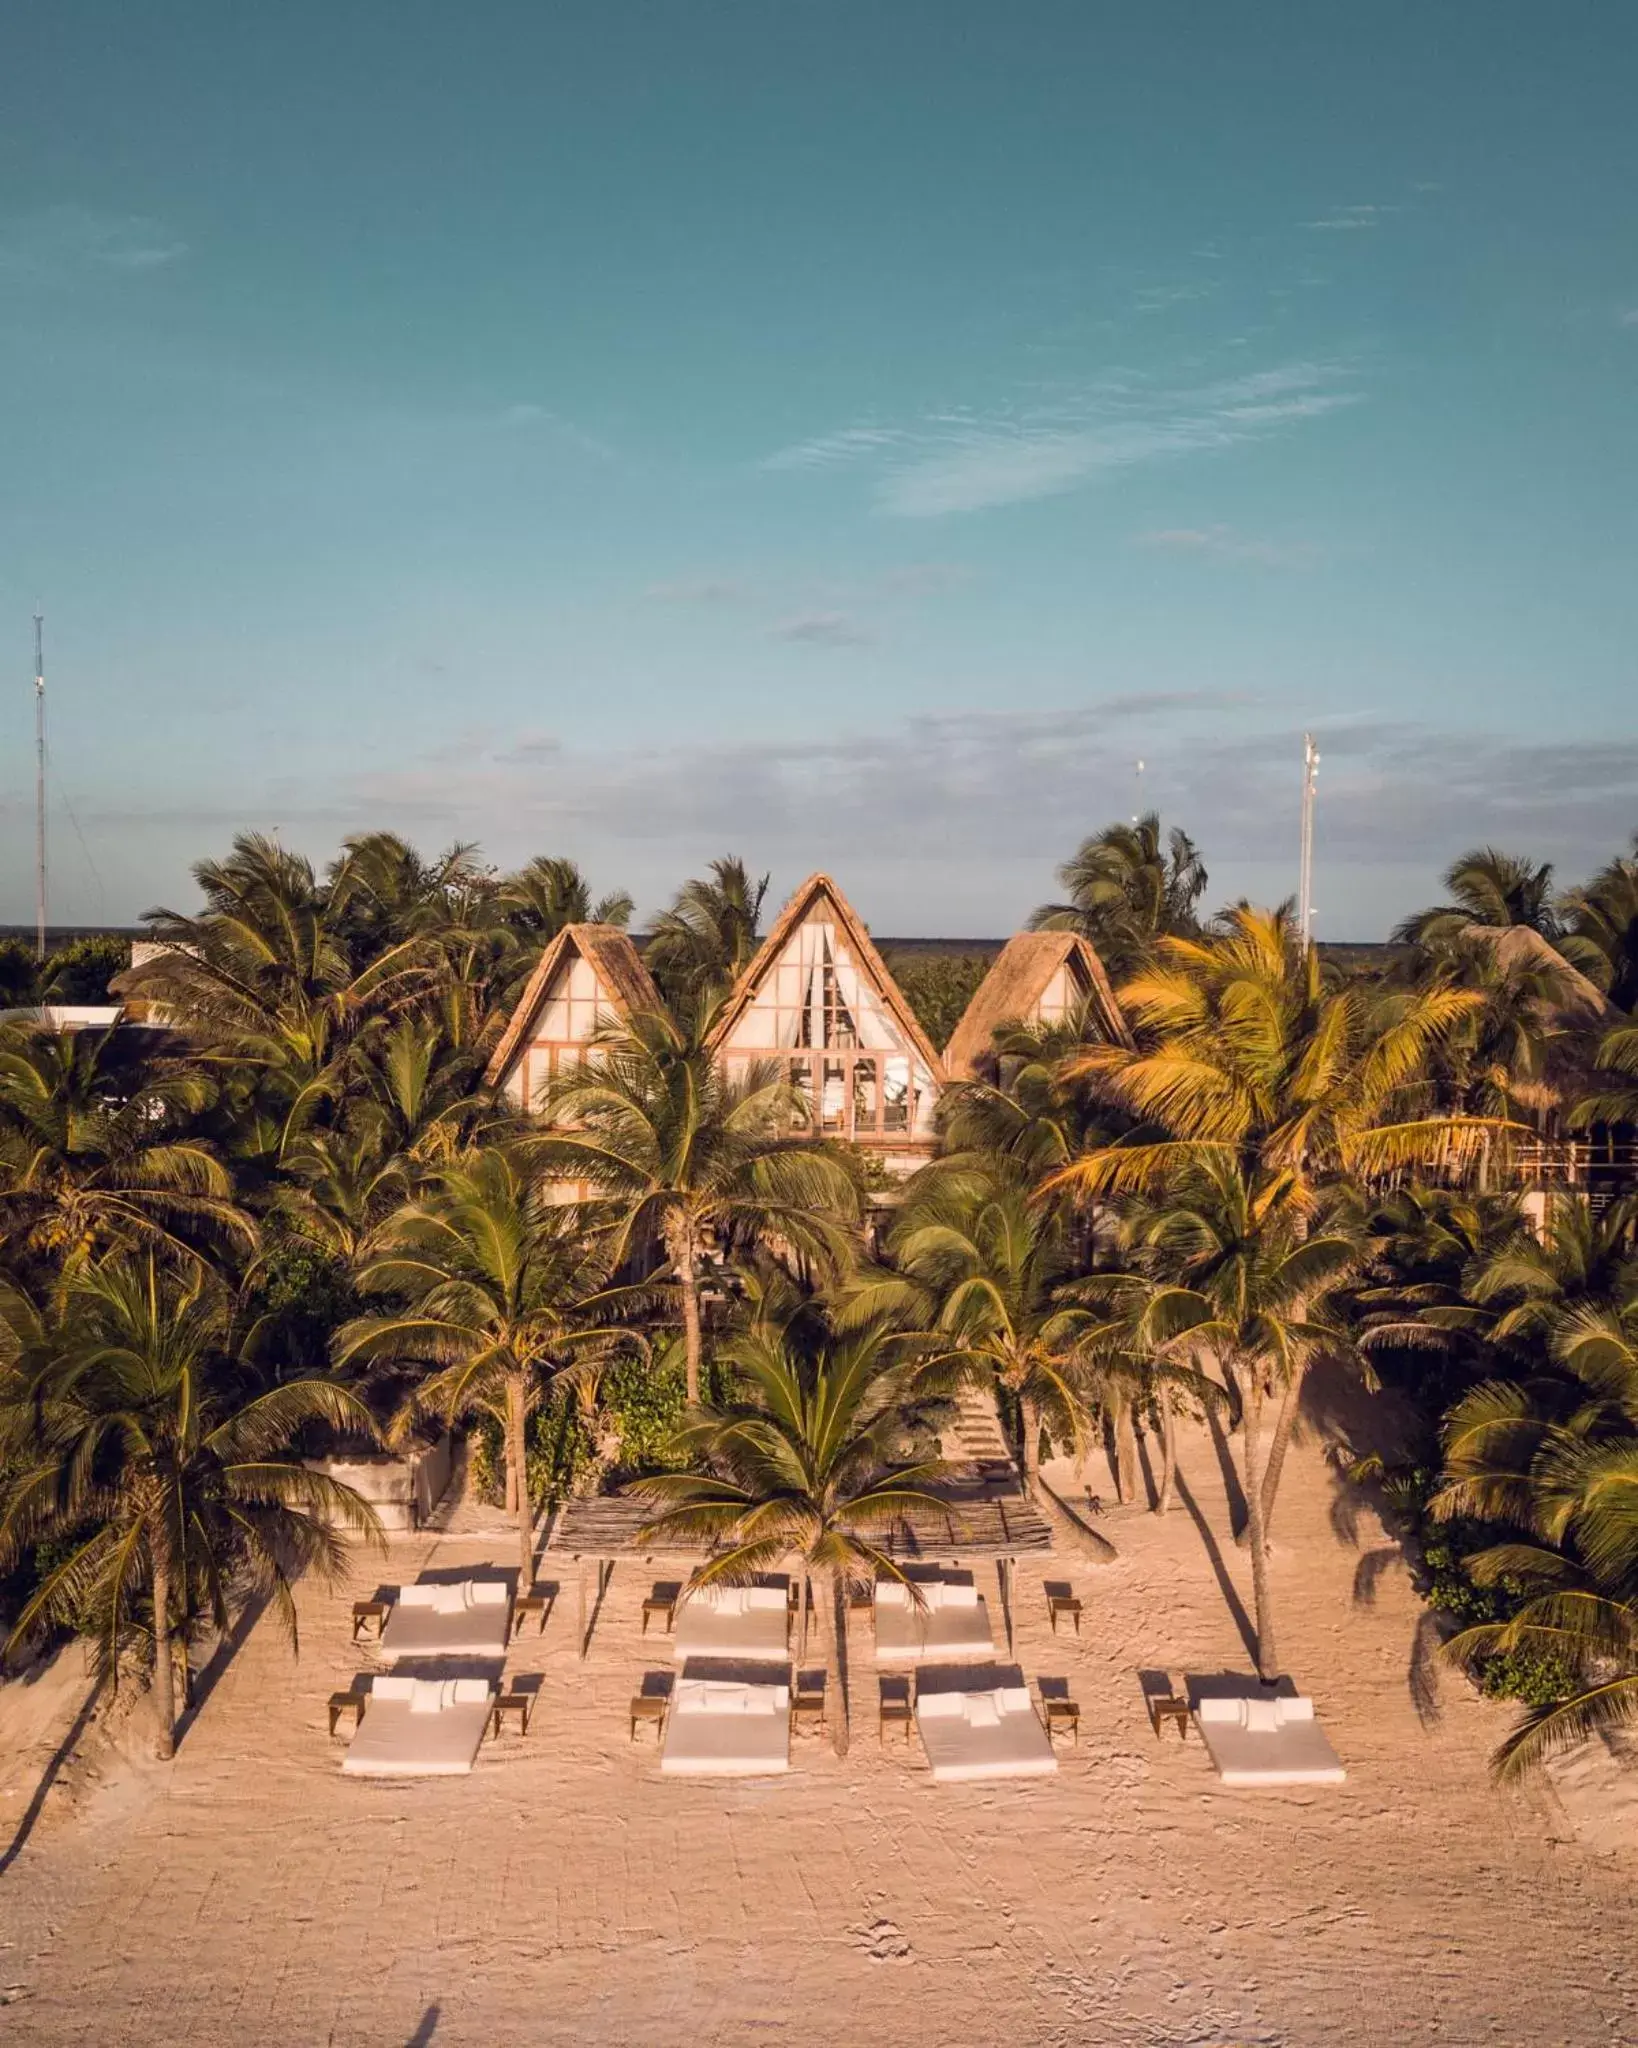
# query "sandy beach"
(565, 1892)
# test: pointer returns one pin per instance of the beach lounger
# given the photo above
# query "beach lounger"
(988, 1731)
(471, 1618)
(1262, 1741)
(952, 1622)
(748, 1622)
(728, 1727)
(420, 1728)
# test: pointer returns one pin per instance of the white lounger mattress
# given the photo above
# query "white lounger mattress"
(991, 1734)
(723, 1728)
(420, 1728)
(747, 1622)
(1267, 1742)
(467, 1619)
(952, 1623)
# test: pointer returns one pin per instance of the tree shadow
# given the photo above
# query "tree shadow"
(427, 2028)
(48, 1777)
(1233, 1491)
(1225, 1584)
(210, 1674)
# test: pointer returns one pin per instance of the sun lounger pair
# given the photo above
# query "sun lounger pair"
(982, 1724)
(470, 1618)
(420, 1727)
(950, 1620)
(1261, 1740)
(733, 1723)
(748, 1622)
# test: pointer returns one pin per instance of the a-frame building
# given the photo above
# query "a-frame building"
(1037, 978)
(819, 1002)
(589, 976)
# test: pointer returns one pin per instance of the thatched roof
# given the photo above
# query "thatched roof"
(871, 965)
(1013, 987)
(969, 1522)
(618, 965)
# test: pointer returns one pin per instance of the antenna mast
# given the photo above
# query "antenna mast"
(39, 788)
(1137, 793)
(1305, 865)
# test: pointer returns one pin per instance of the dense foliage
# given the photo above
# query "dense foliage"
(280, 1210)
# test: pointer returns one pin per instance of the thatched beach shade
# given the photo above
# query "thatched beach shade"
(961, 1529)
(1038, 978)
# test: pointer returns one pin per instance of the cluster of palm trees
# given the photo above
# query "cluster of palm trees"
(295, 1211)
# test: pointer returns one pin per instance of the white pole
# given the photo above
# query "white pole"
(39, 788)
(1305, 864)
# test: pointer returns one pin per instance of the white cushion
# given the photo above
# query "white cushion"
(983, 1710)
(1013, 1699)
(427, 1695)
(724, 1599)
(419, 1596)
(1262, 1717)
(1215, 1709)
(892, 1593)
(390, 1687)
(449, 1599)
(1295, 1710)
(766, 1599)
(487, 1592)
(942, 1706)
(957, 1594)
(468, 1692)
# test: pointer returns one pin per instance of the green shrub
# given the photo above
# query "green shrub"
(639, 1405)
(81, 972)
(18, 974)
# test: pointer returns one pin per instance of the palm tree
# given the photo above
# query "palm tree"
(1489, 888)
(1601, 929)
(804, 1458)
(98, 1150)
(1244, 1056)
(977, 1284)
(141, 1451)
(1554, 1459)
(1245, 1281)
(548, 893)
(1126, 890)
(681, 1152)
(502, 1291)
(704, 942)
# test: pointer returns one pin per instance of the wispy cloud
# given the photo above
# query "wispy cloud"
(823, 629)
(1350, 219)
(696, 590)
(527, 416)
(967, 462)
(1161, 298)
(1222, 543)
(58, 242)
(1630, 317)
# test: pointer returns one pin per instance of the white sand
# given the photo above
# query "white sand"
(565, 1892)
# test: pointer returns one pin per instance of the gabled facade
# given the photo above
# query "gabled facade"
(819, 1002)
(1038, 978)
(589, 976)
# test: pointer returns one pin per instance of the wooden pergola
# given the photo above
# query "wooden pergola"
(967, 1525)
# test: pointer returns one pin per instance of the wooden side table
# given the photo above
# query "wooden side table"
(664, 1605)
(519, 1703)
(535, 1601)
(1067, 1604)
(894, 1710)
(368, 1613)
(346, 1703)
(1062, 1713)
(808, 1706)
(1164, 1707)
(648, 1706)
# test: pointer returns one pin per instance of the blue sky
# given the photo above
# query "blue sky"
(849, 435)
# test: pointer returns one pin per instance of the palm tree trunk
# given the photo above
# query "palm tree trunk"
(1029, 1425)
(1168, 1451)
(1268, 1663)
(1074, 1532)
(832, 1621)
(685, 1260)
(1285, 1424)
(164, 1667)
(1125, 1451)
(517, 1449)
